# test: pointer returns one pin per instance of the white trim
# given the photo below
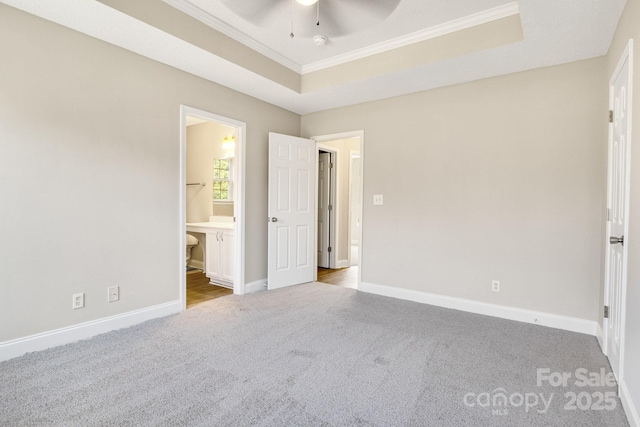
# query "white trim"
(480, 18)
(343, 263)
(69, 334)
(352, 155)
(226, 29)
(335, 218)
(627, 403)
(503, 312)
(238, 188)
(346, 135)
(195, 263)
(257, 286)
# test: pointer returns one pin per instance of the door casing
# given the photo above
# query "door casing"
(320, 139)
(333, 217)
(238, 197)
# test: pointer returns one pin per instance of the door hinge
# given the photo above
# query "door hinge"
(329, 249)
(610, 116)
(330, 207)
(330, 165)
(606, 311)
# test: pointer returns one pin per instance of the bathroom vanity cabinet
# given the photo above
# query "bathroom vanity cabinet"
(219, 250)
(219, 268)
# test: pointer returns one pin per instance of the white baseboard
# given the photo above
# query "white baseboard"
(257, 286)
(196, 264)
(42, 341)
(521, 315)
(629, 408)
(343, 263)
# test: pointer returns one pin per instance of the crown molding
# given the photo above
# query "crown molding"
(480, 18)
(202, 16)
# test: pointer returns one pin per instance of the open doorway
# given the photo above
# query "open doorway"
(212, 253)
(339, 209)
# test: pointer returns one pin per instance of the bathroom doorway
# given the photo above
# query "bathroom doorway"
(339, 205)
(212, 206)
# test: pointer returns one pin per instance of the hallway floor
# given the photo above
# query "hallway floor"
(346, 277)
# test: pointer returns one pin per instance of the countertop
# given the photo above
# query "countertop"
(203, 227)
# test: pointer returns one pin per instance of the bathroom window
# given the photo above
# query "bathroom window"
(222, 184)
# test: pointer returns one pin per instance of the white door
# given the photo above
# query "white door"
(292, 177)
(324, 201)
(617, 203)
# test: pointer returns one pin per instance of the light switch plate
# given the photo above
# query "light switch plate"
(378, 199)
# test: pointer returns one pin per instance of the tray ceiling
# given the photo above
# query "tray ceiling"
(420, 45)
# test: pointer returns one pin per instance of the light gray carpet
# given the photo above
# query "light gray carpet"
(314, 355)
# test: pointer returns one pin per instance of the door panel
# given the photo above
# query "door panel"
(291, 210)
(616, 263)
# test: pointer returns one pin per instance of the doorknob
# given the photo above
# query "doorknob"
(274, 219)
(614, 240)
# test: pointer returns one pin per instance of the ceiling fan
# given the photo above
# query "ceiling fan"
(333, 18)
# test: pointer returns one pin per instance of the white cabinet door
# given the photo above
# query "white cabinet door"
(213, 254)
(220, 247)
(227, 244)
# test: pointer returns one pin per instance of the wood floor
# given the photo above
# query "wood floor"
(341, 277)
(199, 289)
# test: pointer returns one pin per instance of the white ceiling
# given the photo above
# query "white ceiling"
(555, 32)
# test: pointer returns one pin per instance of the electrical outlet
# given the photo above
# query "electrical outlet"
(113, 293)
(378, 199)
(78, 301)
(495, 286)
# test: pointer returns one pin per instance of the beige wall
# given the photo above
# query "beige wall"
(629, 27)
(478, 38)
(495, 179)
(89, 174)
(204, 143)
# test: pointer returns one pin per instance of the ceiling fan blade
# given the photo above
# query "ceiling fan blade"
(255, 11)
(330, 24)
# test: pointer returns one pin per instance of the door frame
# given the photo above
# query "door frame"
(352, 155)
(627, 56)
(334, 217)
(238, 196)
(320, 139)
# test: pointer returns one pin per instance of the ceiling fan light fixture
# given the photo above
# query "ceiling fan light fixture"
(307, 2)
(320, 40)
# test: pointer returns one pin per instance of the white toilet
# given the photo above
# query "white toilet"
(191, 242)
